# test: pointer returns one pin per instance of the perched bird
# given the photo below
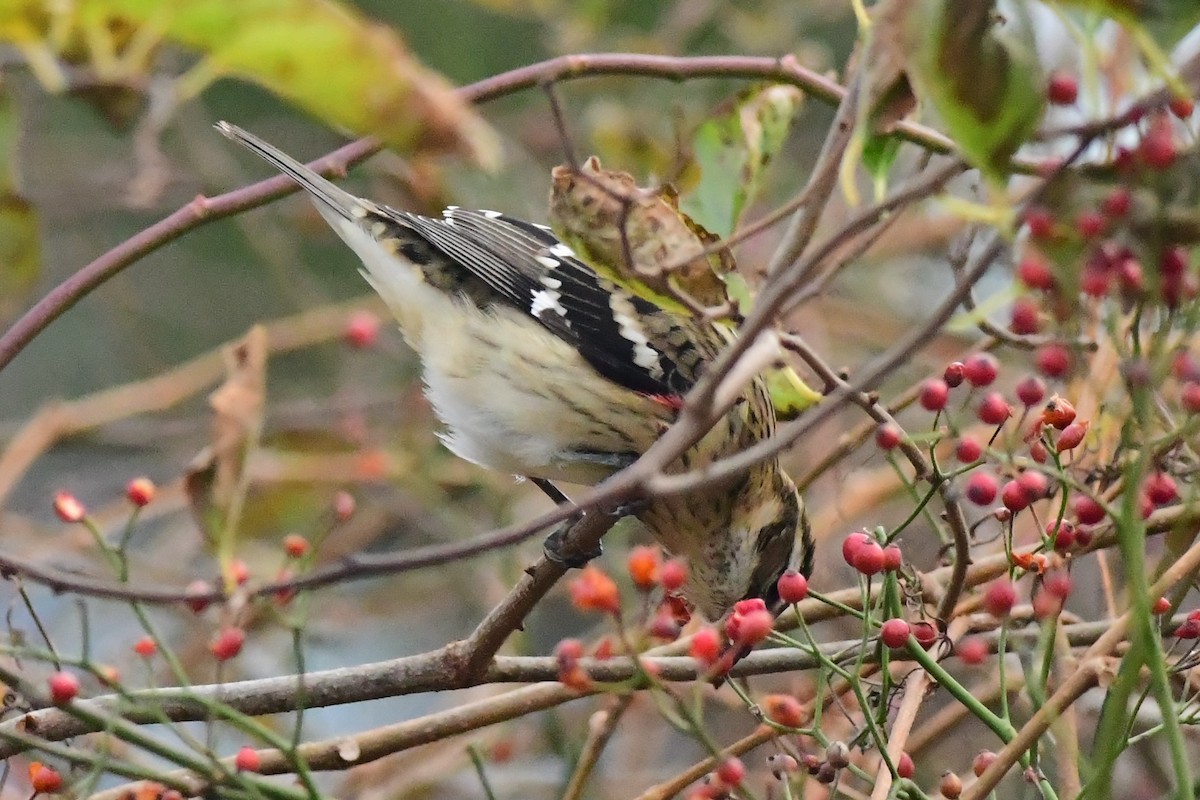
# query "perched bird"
(540, 367)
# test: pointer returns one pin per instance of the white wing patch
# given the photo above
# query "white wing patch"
(547, 299)
(562, 251)
(626, 318)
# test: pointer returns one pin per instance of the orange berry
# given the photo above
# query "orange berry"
(643, 565)
(140, 491)
(593, 590)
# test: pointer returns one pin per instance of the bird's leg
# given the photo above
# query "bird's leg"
(555, 547)
(615, 462)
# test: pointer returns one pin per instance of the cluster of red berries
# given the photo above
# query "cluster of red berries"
(868, 557)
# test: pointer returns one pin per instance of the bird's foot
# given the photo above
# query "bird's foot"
(559, 550)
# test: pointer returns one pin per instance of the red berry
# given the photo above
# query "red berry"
(1087, 510)
(731, 771)
(887, 436)
(1157, 149)
(1038, 452)
(1058, 413)
(145, 647)
(793, 587)
(783, 709)
(248, 760)
(1035, 484)
(904, 766)
(1052, 360)
(1040, 222)
(227, 644)
(749, 628)
(981, 369)
(1161, 489)
(1000, 597)
(1181, 107)
(972, 650)
(1062, 534)
(643, 565)
(1062, 89)
(893, 558)
(43, 779)
(968, 450)
(851, 545)
(594, 590)
(1174, 261)
(1161, 606)
(1058, 583)
(982, 761)
(673, 575)
(664, 626)
(993, 409)
(981, 489)
(64, 687)
(954, 374)
(1117, 202)
(1190, 629)
(925, 634)
(197, 592)
(140, 491)
(1189, 398)
(295, 545)
(705, 646)
(894, 633)
(1090, 224)
(950, 785)
(1034, 272)
(934, 394)
(1131, 276)
(1014, 496)
(869, 558)
(1071, 436)
(362, 329)
(239, 571)
(1186, 367)
(1025, 319)
(68, 508)
(567, 653)
(1031, 390)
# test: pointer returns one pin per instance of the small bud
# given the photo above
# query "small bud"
(343, 506)
(838, 754)
(140, 492)
(295, 545)
(905, 768)
(68, 508)
(1161, 606)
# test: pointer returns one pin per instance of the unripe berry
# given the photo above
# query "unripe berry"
(1038, 452)
(981, 489)
(1071, 437)
(993, 409)
(934, 394)
(950, 785)
(793, 587)
(837, 754)
(1000, 597)
(1031, 390)
(887, 436)
(140, 491)
(643, 565)
(904, 766)
(1190, 629)
(247, 760)
(1161, 489)
(980, 369)
(64, 687)
(68, 508)
(968, 450)
(1062, 89)
(295, 545)
(894, 633)
(1161, 606)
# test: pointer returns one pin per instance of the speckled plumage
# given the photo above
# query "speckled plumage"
(540, 367)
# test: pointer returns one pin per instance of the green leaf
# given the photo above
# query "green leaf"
(732, 152)
(320, 54)
(20, 246)
(986, 88)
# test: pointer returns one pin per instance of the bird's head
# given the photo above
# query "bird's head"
(780, 543)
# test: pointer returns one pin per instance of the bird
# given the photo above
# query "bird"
(538, 365)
